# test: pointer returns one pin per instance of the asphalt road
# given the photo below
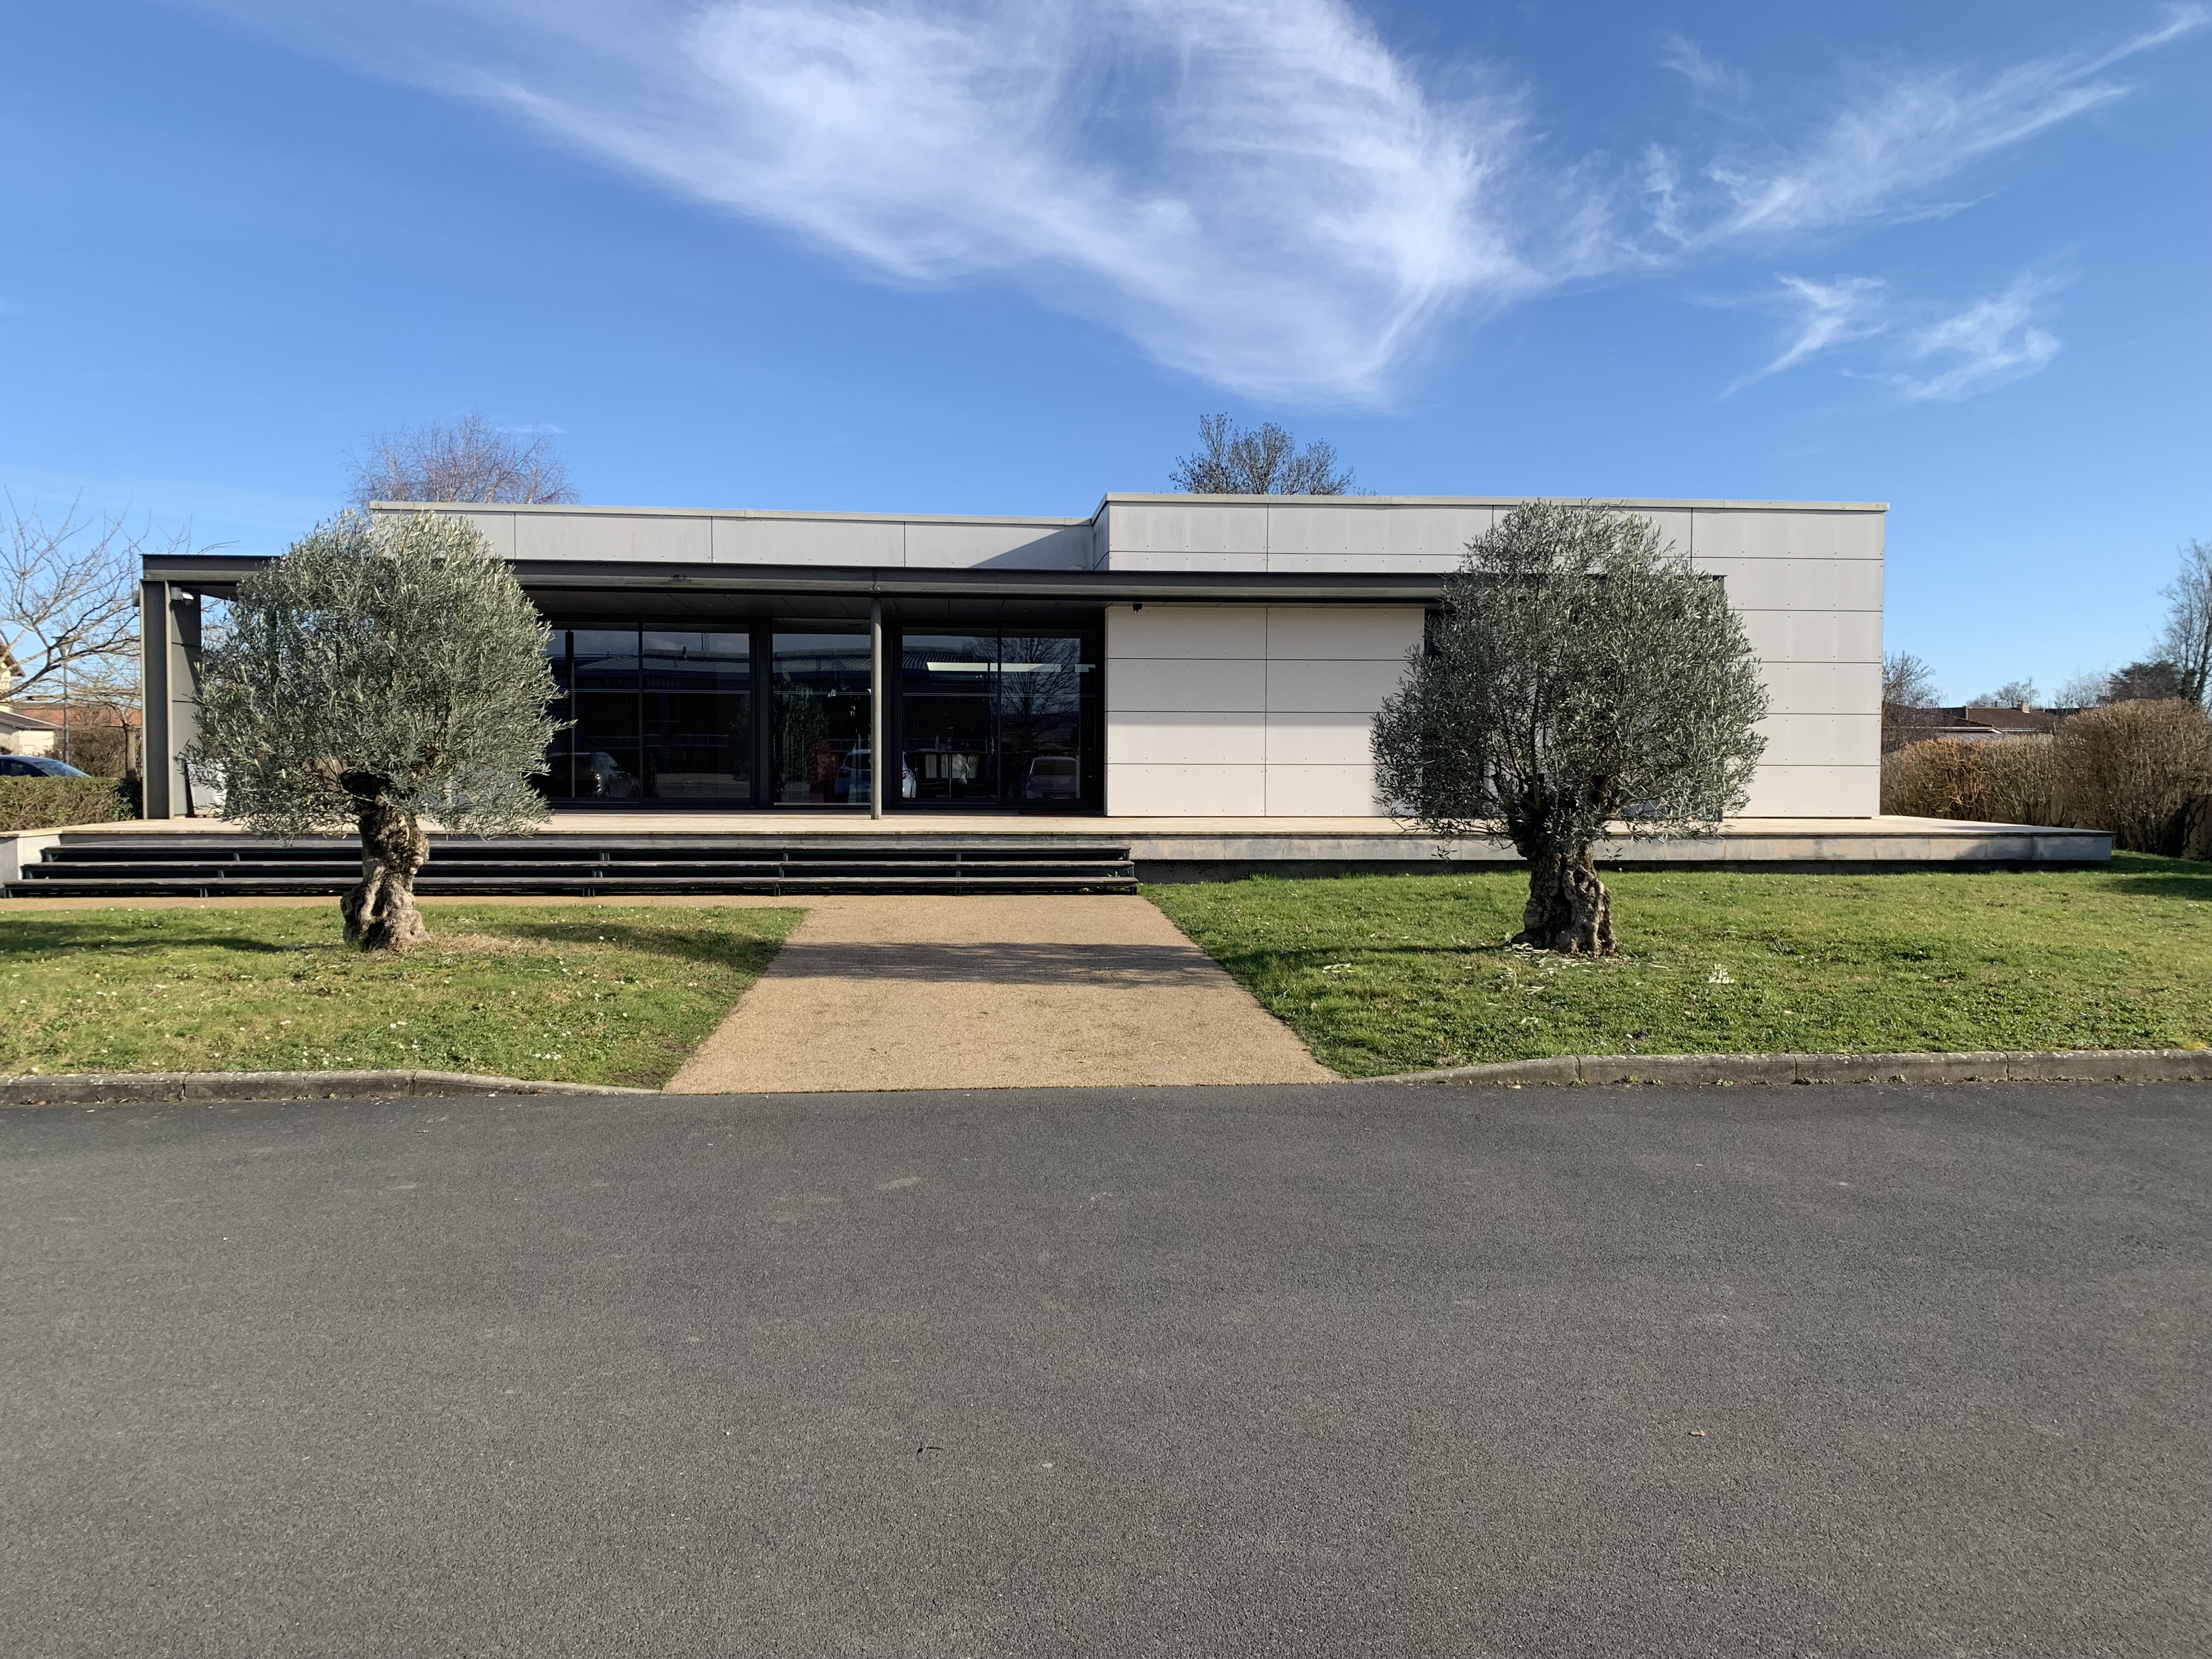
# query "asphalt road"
(1298, 1370)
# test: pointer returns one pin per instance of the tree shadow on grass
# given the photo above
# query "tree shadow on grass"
(29, 936)
(749, 952)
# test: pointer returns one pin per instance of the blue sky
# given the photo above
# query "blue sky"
(998, 257)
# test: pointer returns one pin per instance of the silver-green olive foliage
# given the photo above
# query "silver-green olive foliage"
(1581, 679)
(392, 667)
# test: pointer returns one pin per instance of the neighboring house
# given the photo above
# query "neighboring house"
(1167, 656)
(26, 734)
(1971, 723)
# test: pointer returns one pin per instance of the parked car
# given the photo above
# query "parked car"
(608, 780)
(36, 766)
(1054, 777)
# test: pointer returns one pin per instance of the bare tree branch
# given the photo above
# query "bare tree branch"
(2186, 642)
(1265, 460)
(471, 460)
(69, 599)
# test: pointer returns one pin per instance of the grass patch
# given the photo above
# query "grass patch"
(579, 994)
(1383, 973)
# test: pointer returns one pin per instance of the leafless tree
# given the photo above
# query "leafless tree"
(2012, 694)
(2186, 642)
(470, 460)
(1264, 460)
(68, 602)
(1908, 691)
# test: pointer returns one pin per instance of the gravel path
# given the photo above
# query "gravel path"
(992, 992)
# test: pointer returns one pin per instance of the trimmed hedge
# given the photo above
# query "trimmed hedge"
(54, 803)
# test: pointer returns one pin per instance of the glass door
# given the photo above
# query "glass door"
(819, 716)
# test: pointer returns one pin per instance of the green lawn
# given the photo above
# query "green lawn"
(1383, 973)
(601, 993)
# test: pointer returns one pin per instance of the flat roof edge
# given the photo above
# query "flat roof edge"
(559, 508)
(1502, 500)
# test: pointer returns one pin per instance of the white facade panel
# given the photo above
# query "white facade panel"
(1822, 688)
(1226, 792)
(1349, 633)
(1815, 791)
(1196, 685)
(1779, 636)
(498, 529)
(1331, 686)
(1316, 739)
(1194, 526)
(1181, 738)
(941, 546)
(1678, 528)
(1794, 740)
(1799, 584)
(1363, 533)
(643, 537)
(1321, 791)
(803, 541)
(1781, 533)
(1187, 630)
(1253, 564)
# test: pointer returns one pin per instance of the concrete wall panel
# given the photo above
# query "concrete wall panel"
(1783, 636)
(1822, 740)
(1199, 686)
(1365, 533)
(1799, 584)
(1331, 792)
(1822, 688)
(1318, 739)
(1344, 632)
(1014, 546)
(498, 528)
(1331, 687)
(1178, 738)
(1754, 533)
(648, 538)
(1228, 792)
(1205, 528)
(809, 541)
(1186, 631)
(1815, 791)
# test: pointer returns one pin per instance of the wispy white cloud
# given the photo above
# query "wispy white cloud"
(1922, 351)
(1880, 155)
(1261, 193)
(1989, 343)
(1828, 315)
(1711, 79)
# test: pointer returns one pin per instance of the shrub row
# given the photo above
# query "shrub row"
(2142, 770)
(51, 802)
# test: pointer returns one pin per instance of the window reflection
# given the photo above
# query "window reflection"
(821, 714)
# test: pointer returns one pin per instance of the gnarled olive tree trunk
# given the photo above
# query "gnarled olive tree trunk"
(1569, 909)
(379, 913)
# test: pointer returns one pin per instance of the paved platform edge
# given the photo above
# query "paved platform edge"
(2004, 1066)
(135, 1088)
(1996, 1066)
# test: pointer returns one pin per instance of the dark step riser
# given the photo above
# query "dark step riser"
(788, 887)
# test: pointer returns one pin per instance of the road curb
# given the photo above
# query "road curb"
(128, 1088)
(2008, 1066)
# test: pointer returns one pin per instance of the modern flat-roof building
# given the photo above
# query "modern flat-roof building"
(1202, 656)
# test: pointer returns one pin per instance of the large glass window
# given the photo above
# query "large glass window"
(994, 718)
(656, 716)
(603, 671)
(820, 716)
(698, 717)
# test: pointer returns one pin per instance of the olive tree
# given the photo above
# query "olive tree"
(378, 675)
(1580, 677)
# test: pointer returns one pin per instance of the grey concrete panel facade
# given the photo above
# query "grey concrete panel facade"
(1249, 640)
